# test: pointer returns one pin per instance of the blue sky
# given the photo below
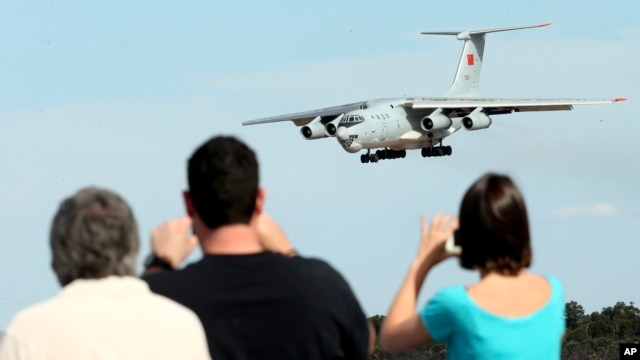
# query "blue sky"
(118, 94)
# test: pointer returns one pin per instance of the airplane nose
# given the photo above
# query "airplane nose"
(343, 133)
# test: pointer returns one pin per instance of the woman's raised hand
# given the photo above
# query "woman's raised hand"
(433, 238)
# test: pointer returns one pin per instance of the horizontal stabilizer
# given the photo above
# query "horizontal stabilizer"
(481, 32)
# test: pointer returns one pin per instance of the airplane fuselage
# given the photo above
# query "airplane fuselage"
(387, 124)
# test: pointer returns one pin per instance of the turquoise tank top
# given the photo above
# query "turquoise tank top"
(469, 332)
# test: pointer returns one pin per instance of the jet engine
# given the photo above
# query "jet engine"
(476, 120)
(332, 126)
(314, 130)
(435, 121)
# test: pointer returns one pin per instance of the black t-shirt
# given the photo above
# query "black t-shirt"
(268, 306)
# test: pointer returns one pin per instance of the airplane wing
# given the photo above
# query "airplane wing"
(457, 107)
(305, 117)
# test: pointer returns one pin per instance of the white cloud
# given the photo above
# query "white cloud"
(590, 211)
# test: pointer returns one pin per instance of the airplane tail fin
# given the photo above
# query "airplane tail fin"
(466, 83)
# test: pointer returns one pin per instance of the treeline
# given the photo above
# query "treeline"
(588, 336)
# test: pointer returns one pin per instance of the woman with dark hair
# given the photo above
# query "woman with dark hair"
(510, 313)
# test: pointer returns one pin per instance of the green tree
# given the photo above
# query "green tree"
(376, 320)
(574, 315)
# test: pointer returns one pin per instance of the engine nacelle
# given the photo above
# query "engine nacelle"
(435, 121)
(314, 130)
(476, 120)
(331, 127)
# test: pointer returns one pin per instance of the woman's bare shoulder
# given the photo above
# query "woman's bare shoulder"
(511, 296)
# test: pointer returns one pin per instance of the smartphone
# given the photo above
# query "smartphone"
(451, 246)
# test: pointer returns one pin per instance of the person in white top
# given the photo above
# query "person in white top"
(103, 311)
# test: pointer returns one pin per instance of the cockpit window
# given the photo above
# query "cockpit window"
(352, 119)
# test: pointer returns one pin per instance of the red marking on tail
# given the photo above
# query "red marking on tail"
(619, 99)
(470, 60)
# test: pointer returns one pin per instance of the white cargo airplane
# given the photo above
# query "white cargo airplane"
(401, 124)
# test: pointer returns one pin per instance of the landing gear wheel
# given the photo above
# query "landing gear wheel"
(374, 158)
(447, 150)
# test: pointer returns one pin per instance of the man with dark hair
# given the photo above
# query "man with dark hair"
(103, 311)
(255, 298)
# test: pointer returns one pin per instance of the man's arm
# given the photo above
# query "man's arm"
(172, 242)
(272, 237)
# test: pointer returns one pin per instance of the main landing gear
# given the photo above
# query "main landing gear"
(436, 151)
(382, 155)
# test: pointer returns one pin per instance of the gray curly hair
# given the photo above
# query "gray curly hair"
(93, 235)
